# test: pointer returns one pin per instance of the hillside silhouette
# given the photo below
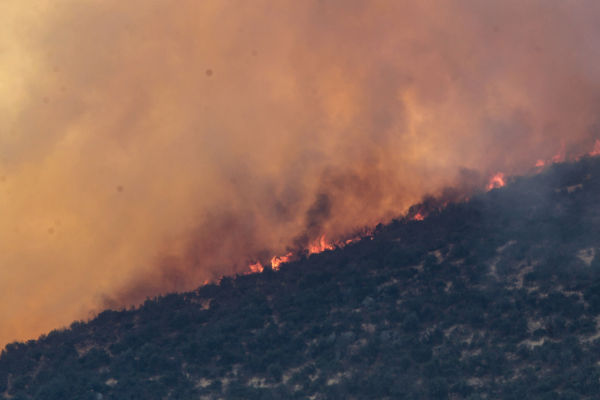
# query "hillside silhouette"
(496, 297)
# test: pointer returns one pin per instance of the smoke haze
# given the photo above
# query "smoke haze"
(149, 145)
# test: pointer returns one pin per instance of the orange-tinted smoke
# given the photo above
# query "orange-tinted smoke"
(149, 145)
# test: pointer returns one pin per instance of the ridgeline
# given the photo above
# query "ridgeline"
(494, 298)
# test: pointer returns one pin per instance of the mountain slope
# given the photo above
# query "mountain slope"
(497, 297)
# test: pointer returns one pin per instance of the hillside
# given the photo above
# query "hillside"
(497, 297)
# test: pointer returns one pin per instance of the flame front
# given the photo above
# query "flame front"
(256, 267)
(419, 217)
(316, 247)
(496, 181)
(560, 156)
(320, 245)
(596, 150)
(193, 136)
(557, 158)
(277, 261)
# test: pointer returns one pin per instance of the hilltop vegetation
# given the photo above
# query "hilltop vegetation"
(498, 297)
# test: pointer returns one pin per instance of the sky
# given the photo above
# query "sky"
(147, 146)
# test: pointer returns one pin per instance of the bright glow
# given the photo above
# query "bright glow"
(149, 146)
(596, 150)
(256, 267)
(277, 261)
(496, 181)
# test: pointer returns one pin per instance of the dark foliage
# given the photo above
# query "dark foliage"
(496, 297)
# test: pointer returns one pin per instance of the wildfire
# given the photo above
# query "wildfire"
(418, 217)
(256, 267)
(277, 261)
(596, 150)
(497, 181)
(557, 158)
(320, 245)
(317, 246)
(560, 156)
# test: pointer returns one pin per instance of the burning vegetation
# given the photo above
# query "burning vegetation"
(177, 143)
(497, 297)
(420, 211)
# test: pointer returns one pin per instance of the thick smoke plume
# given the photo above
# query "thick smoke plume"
(150, 145)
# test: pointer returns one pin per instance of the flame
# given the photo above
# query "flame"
(256, 267)
(557, 158)
(320, 245)
(560, 156)
(277, 261)
(497, 181)
(418, 217)
(131, 162)
(596, 150)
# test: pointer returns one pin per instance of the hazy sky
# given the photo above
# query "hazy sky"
(148, 145)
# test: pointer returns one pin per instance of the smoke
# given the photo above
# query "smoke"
(149, 145)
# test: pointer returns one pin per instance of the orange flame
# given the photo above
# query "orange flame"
(497, 181)
(256, 267)
(277, 261)
(320, 246)
(557, 158)
(560, 156)
(596, 150)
